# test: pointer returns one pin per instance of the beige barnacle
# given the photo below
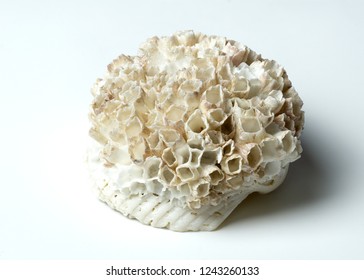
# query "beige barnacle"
(175, 113)
(186, 172)
(252, 156)
(137, 149)
(189, 127)
(213, 174)
(196, 123)
(232, 165)
(151, 167)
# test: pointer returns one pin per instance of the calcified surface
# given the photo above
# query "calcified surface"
(188, 128)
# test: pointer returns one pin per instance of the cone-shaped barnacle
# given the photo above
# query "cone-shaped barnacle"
(213, 174)
(216, 117)
(152, 166)
(175, 113)
(213, 97)
(252, 156)
(168, 176)
(232, 165)
(155, 143)
(169, 137)
(188, 128)
(196, 123)
(187, 173)
(133, 128)
(214, 137)
(169, 157)
(137, 150)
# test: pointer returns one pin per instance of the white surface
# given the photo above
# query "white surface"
(51, 53)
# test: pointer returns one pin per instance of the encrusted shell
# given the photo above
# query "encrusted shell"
(189, 127)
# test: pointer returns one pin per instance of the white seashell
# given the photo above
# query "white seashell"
(190, 127)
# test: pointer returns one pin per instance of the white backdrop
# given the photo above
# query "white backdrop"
(51, 52)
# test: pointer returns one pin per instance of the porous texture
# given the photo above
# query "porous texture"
(188, 128)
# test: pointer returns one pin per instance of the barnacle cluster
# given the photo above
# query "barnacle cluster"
(196, 117)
